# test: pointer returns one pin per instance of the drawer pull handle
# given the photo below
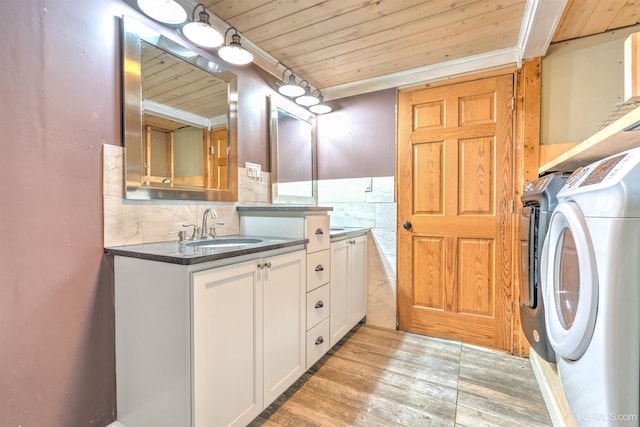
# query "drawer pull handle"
(319, 231)
(319, 340)
(319, 267)
(319, 304)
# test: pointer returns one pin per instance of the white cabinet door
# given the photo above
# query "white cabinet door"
(357, 280)
(227, 345)
(348, 285)
(284, 303)
(339, 318)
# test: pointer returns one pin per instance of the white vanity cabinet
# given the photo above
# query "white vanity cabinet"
(311, 223)
(207, 345)
(348, 285)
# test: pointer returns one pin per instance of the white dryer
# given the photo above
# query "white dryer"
(591, 283)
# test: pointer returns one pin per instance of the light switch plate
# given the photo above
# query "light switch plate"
(254, 171)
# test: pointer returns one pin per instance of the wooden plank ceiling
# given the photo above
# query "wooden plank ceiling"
(338, 42)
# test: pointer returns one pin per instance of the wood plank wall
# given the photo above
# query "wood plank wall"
(526, 159)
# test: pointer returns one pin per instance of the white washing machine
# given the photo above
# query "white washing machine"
(591, 284)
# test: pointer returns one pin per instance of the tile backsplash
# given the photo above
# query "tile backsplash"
(369, 202)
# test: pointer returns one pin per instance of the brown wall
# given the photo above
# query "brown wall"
(357, 139)
(59, 102)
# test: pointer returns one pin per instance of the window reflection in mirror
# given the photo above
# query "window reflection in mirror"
(293, 164)
(180, 124)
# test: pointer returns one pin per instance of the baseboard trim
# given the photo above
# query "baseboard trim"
(116, 424)
(551, 389)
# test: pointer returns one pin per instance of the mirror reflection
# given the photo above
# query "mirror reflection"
(180, 127)
(293, 167)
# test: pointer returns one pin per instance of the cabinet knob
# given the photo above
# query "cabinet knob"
(268, 264)
(260, 266)
(319, 304)
(319, 340)
(319, 231)
(319, 267)
(407, 225)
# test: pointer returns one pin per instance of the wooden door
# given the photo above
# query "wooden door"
(217, 158)
(455, 197)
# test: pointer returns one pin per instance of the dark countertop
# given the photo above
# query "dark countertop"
(181, 253)
(339, 232)
(284, 208)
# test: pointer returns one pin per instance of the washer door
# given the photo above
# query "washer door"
(570, 282)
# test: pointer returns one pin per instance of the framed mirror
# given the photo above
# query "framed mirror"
(293, 154)
(180, 124)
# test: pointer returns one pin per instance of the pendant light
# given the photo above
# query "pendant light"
(321, 107)
(307, 98)
(201, 32)
(166, 11)
(290, 88)
(233, 52)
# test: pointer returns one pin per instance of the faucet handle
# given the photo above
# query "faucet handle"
(212, 229)
(182, 235)
(196, 231)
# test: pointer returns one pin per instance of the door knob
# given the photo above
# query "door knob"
(407, 225)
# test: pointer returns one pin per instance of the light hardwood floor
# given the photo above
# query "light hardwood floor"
(381, 377)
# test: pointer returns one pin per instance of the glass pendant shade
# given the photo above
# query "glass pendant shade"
(234, 53)
(167, 11)
(201, 32)
(291, 88)
(320, 109)
(307, 99)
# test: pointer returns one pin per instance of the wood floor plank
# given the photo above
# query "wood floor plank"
(377, 377)
(408, 396)
(420, 382)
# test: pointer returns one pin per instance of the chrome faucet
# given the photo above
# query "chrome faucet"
(208, 233)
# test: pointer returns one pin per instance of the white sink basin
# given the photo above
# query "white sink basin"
(221, 242)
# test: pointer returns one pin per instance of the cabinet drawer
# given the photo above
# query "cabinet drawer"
(317, 342)
(318, 305)
(318, 269)
(318, 233)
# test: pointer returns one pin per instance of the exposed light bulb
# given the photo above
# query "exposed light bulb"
(234, 53)
(320, 109)
(167, 11)
(201, 32)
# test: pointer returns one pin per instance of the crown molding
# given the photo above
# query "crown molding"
(539, 23)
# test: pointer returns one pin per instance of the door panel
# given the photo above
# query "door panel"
(476, 176)
(429, 195)
(455, 187)
(475, 276)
